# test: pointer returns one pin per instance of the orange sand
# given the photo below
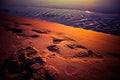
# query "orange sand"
(78, 54)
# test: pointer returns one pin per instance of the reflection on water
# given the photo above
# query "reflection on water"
(107, 23)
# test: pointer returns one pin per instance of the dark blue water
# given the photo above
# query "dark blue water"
(107, 23)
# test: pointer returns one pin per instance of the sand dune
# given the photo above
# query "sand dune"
(40, 50)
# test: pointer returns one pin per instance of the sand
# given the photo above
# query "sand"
(40, 50)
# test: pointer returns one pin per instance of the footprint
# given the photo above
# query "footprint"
(57, 41)
(90, 53)
(34, 36)
(53, 48)
(27, 53)
(19, 60)
(71, 46)
(93, 54)
(27, 69)
(41, 31)
(30, 51)
(80, 46)
(83, 54)
(26, 35)
(38, 60)
(14, 30)
(60, 39)
(68, 39)
(87, 53)
(74, 46)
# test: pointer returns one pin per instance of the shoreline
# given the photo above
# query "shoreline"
(106, 23)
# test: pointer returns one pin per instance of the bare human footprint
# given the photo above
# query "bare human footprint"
(53, 48)
(31, 51)
(34, 36)
(73, 46)
(83, 53)
(41, 31)
(57, 41)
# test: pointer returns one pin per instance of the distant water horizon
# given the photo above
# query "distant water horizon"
(101, 22)
(108, 11)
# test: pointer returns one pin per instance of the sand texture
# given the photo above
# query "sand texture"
(40, 50)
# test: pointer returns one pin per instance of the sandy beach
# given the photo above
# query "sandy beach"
(32, 49)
